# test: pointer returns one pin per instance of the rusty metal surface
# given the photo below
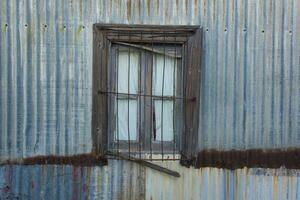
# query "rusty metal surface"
(83, 160)
(124, 180)
(253, 158)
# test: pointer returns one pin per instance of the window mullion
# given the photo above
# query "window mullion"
(148, 105)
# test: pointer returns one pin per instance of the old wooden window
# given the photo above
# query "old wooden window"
(146, 90)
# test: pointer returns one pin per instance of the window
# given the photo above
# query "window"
(146, 90)
(145, 98)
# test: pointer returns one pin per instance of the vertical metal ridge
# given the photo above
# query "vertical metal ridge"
(254, 75)
(66, 78)
(29, 78)
(262, 111)
(277, 75)
(57, 80)
(38, 84)
(48, 89)
(291, 138)
(286, 68)
(282, 72)
(225, 75)
(9, 85)
(295, 111)
(273, 66)
(76, 78)
(245, 100)
(235, 94)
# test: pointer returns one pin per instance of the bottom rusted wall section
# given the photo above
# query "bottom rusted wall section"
(75, 160)
(254, 158)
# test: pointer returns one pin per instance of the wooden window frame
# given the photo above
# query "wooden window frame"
(190, 39)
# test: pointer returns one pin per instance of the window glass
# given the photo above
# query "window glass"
(123, 124)
(163, 85)
(128, 61)
(163, 125)
(163, 72)
(127, 108)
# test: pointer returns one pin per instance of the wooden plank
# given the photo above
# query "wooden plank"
(143, 47)
(145, 163)
(165, 28)
(193, 66)
(96, 87)
(99, 115)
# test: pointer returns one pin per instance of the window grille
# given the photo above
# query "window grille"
(142, 91)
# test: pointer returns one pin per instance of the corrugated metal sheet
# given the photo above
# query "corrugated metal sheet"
(250, 83)
(250, 87)
(123, 180)
(250, 95)
(212, 183)
(119, 180)
(251, 75)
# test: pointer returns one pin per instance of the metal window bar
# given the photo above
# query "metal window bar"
(183, 88)
(128, 89)
(140, 102)
(174, 101)
(148, 49)
(162, 104)
(151, 100)
(117, 98)
(134, 96)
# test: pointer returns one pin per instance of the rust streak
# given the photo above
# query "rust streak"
(149, 7)
(253, 158)
(129, 10)
(75, 160)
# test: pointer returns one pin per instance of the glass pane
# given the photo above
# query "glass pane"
(163, 66)
(123, 67)
(163, 126)
(122, 119)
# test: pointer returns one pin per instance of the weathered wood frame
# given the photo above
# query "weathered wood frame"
(189, 37)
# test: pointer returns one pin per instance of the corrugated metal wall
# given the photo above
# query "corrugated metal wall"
(251, 75)
(123, 180)
(250, 85)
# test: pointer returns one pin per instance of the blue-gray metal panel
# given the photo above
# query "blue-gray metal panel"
(118, 180)
(250, 81)
(124, 180)
(213, 183)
